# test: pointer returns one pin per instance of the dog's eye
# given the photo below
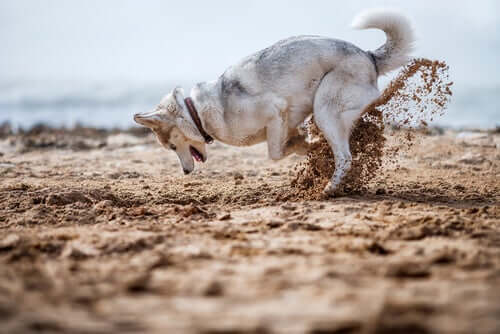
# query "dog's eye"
(173, 147)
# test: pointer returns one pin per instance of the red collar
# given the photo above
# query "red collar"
(196, 119)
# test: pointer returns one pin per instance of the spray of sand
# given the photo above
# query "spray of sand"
(419, 93)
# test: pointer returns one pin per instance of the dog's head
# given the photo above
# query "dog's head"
(175, 130)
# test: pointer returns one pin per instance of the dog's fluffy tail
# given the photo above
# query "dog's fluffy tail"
(400, 37)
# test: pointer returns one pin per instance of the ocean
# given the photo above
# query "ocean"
(113, 104)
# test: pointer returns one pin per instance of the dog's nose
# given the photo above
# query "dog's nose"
(138, 118)
(186, 172)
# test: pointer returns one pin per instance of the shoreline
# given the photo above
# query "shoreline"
(6, 128)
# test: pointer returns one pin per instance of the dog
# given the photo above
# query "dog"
(268, 95)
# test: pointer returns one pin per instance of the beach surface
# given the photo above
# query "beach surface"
(100, 232)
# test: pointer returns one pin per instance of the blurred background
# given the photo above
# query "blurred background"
(98, 62)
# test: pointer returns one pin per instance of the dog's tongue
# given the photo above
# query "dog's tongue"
(196, 155)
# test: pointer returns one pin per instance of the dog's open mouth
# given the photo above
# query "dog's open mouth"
(196, 154)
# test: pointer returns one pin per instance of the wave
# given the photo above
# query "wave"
(33, 96)
(24, 104)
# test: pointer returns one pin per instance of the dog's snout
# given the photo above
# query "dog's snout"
(186, 171)
(139, 118)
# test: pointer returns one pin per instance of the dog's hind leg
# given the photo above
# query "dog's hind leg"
(337, 106)
(329, 121)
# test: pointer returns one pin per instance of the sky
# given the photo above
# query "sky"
(196, 40)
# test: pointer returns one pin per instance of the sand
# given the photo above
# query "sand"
(100, 232)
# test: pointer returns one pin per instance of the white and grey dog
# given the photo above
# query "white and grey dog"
(269, 94)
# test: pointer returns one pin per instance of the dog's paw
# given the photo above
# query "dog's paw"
(332, 190)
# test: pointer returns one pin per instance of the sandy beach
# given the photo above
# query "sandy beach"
(398, 103)
(100, 232)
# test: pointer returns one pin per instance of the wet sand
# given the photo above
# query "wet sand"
(101, 233)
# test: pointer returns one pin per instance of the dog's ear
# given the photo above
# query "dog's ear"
(178, 94)
(151, 119)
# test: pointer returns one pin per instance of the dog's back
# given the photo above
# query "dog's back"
(297, 64)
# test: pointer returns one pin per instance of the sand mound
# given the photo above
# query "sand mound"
(420, 92)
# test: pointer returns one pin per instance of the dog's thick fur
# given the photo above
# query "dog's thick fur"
(269, 94)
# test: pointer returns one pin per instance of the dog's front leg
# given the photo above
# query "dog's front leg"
(277, 136)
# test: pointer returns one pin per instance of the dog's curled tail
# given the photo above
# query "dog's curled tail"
(400, 37)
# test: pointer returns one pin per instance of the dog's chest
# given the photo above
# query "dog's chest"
(244, 131)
